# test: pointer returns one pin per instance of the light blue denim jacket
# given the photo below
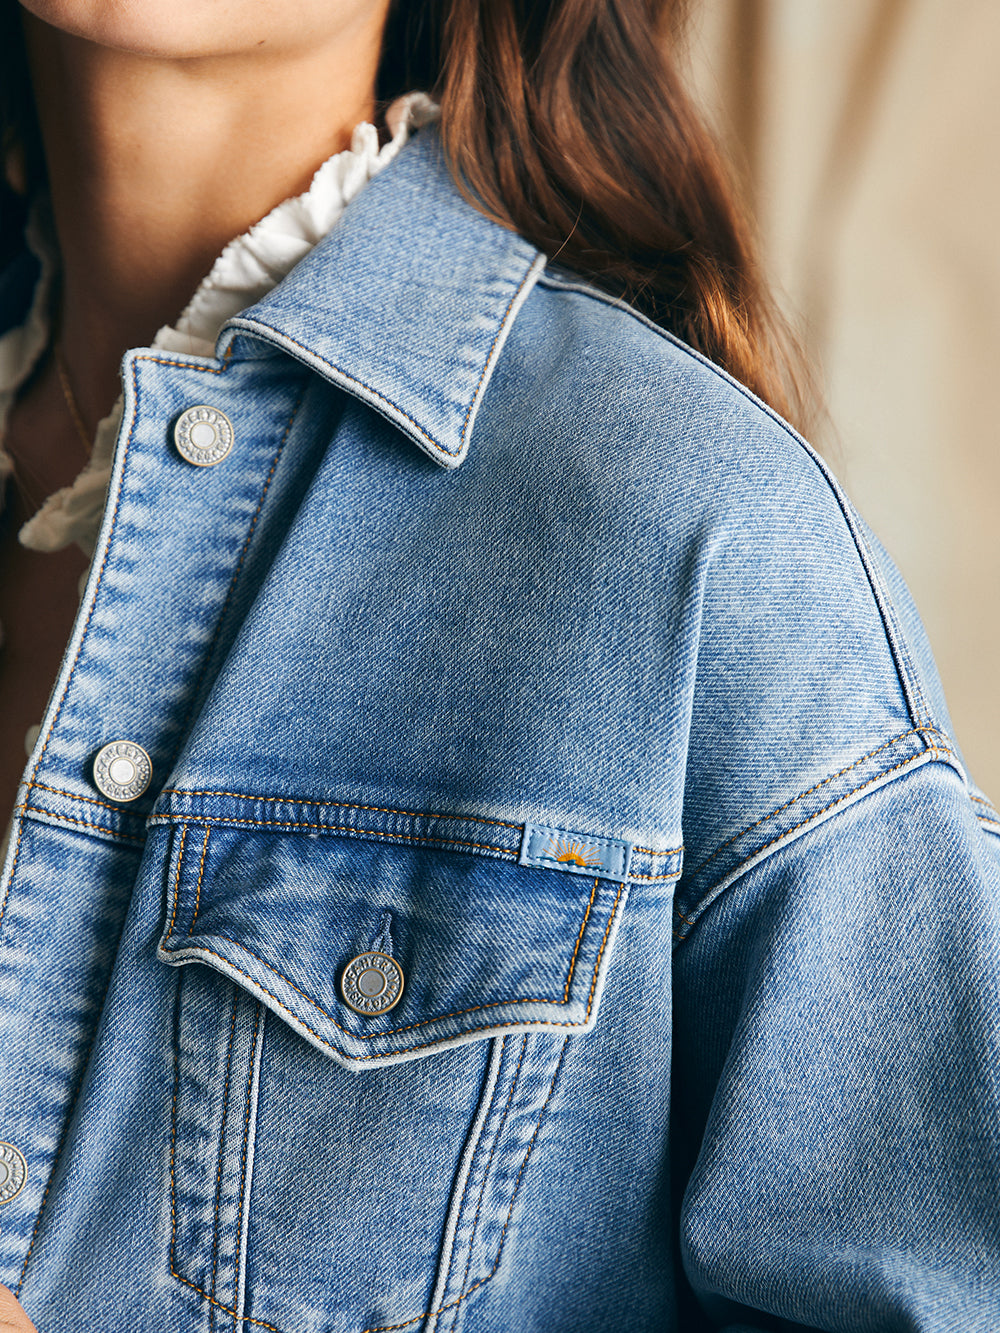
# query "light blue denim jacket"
(515, 641)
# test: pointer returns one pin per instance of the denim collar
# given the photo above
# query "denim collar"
(420, 348)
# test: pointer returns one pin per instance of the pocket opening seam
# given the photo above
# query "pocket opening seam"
(368, 1036)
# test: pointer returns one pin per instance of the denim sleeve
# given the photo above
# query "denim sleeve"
(836, 1122)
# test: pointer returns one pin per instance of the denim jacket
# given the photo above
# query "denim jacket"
(517, 652)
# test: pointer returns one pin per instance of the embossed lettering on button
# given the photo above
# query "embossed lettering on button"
(372, 983)
(122, 770)
(13, 1172)
(203, 435)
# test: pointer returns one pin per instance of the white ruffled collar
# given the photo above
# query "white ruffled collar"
(248, 268)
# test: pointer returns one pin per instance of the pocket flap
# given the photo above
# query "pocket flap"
(483, 946)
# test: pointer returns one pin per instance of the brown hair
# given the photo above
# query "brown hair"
(567, 120)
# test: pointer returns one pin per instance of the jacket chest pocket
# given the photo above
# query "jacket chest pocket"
(367, 1069)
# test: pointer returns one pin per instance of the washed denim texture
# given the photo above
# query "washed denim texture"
(514, 640)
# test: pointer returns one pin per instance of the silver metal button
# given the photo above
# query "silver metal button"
(13, 1172)
(372, 983)
(122, 770)
(203, 435)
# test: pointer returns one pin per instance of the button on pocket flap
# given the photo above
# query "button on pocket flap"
(377, 952)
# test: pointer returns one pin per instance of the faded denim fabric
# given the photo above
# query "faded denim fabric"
(516, 641)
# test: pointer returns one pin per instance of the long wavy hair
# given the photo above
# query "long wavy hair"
(569, 121)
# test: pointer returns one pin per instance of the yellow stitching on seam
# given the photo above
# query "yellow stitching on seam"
(201, 876)
(583, 927)
(648, 851)
(238, 822)
(600, 954)
(183, 365)
(914, 731)
(390, 1328)
(222, 1138)
(408, 1027)
(802, 823)
(83, 823)
(177, 881)
(420, 1046)
(341, 805)
(226, 1309)
(74, 796)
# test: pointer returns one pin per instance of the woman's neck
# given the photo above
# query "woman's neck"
(155, 164)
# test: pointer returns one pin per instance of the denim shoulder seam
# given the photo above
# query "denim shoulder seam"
(916, 702)
(760, 841)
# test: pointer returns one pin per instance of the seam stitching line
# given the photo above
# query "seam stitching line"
(496, 338)
(905, 763)
(390, 1328)
(70, 1108)
(912, 689)
(177, 881)
(226, 1309)
(497, 1089)
(343, 805)
(896, 740)
(82, 823)
(576, 950)
(258, 1010)
(236, 821)
(75, 796)
(489, 1163)
(409, 1027)
(368, 388)
(419, 1046)
(222, 1139)
(13, 867)
(201, 876)
(221, 615)
(209, 370)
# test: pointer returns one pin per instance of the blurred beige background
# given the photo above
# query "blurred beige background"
(868, 134)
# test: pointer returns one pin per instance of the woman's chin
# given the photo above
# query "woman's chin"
(190, 29)
(207, 29)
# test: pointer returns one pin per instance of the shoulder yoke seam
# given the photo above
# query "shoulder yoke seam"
(912, 690)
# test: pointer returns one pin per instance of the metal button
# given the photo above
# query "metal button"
(13, 1172)
(122, 770)
(203, 435)
(372, 983)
